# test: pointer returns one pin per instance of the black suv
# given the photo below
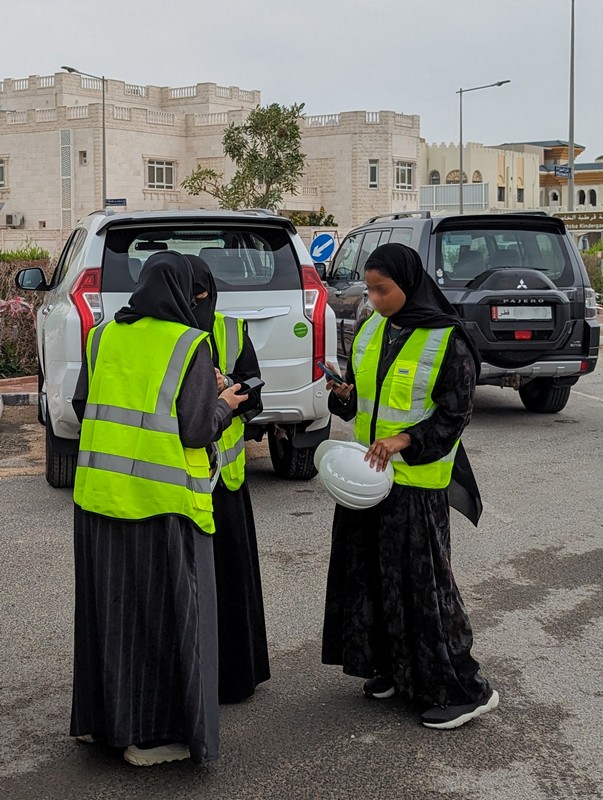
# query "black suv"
(517, 281)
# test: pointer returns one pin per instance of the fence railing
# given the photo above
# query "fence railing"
(46, 81)
(21, 84)
(135, 89)
(322, 120)
(223, 91)
(122, 112)
(46, 114)
(220, 118)
(90, 83)
(16, 117)
(372, 117)
(183, 91)
(442, 197)
(77, 112)
(160, 117)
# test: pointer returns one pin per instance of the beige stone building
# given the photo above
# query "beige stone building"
(51, 129)
(502, 178)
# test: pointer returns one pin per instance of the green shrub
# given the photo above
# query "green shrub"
(594, 268)
(27, 252)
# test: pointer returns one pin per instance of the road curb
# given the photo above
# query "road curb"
(19, 399)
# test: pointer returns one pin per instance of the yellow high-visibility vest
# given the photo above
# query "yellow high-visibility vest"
(228, 336)
(132, 464)
(405, 396)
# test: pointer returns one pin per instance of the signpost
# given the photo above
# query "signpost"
(116, 201)
(322, 248)
(563, 172)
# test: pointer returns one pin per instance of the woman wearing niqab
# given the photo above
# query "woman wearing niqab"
(145, 664)
(243, 647)
(393, 613)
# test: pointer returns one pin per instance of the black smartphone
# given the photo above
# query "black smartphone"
(252, 383)
(330, 375)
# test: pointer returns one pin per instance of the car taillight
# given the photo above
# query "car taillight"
(523, 335)
(590, 303)
(86, 296)
(315, 304)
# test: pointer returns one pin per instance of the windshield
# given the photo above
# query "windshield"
(463, 255)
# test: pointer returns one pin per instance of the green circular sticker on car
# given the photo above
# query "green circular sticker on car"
(300, 329)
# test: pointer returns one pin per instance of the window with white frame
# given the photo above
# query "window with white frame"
(373, 173)
(2, 172)
(160, 174)
(403, 175)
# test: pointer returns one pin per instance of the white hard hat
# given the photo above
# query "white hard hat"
(348, 478)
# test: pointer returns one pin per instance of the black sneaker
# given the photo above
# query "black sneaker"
(380, 687)
(448, 717)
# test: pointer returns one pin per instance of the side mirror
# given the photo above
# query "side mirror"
(321, 269)
(32, 280)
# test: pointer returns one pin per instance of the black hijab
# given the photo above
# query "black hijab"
(164, 291)
(203, 281)
(426, 306)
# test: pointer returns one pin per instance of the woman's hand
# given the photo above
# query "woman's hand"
(343, 390)
(220, 380)
(233, 399)
(381, 450)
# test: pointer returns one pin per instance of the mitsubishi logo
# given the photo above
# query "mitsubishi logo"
(521, 284)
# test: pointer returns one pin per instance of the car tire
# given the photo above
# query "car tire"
(290, 463)
(542, 396)
(60, 467)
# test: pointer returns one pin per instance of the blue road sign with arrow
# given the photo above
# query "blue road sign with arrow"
(322, 247)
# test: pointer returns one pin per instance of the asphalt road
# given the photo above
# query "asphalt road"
(530, 576)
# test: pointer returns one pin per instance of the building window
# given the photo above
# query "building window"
(453, 177)
(42, 223)
(520, 195)
(403, 175)
(581, 198)
(592, 197)
(83, 155)
(554, 197)
(500, 194)
(373, 176)
(477, 177)
(160, 174)
(2, 172)
(434, 177)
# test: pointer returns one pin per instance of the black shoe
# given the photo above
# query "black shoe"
(380, 687)
(450, 717)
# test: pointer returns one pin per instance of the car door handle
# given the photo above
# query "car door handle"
(338, 292)
(46, 309)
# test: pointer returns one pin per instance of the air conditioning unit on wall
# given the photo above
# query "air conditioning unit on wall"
(15, 220)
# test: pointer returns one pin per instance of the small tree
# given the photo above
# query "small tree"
(266, 150)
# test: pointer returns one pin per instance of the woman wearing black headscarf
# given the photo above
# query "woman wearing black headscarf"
(243, 648)
(145, 664)
(393, 610)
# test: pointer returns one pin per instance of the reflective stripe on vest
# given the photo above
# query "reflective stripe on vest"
(228, 336)
(405, 395)
(132, 464)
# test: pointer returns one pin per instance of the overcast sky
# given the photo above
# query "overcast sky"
(409, 56)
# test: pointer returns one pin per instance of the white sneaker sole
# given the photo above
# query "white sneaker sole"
(155, 755)
(456, 723)
(380, 695)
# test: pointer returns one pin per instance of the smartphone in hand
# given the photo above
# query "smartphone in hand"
(247, 386)
(330, 375)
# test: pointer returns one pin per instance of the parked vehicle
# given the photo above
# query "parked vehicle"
(517, 281)
(264, 274)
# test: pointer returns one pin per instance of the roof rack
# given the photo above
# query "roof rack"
(400, 215)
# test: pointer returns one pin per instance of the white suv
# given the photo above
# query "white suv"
(264, 274)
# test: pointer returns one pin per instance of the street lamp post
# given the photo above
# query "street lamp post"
(570, 180)
(460, 93)
(100, 78)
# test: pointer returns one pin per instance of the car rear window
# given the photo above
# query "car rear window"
(241, 258)
(463, 255)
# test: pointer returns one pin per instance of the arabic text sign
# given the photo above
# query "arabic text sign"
(582, 220)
